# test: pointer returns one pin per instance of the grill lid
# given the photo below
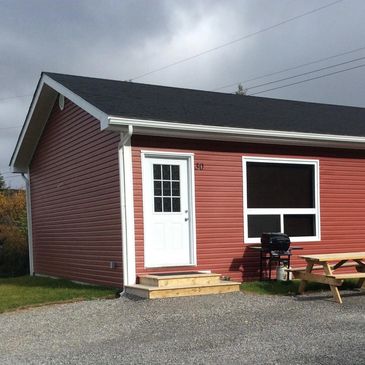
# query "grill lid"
(275, 241)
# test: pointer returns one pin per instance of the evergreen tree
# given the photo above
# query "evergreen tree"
(241, 90)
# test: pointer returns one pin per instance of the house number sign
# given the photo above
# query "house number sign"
(199, 166)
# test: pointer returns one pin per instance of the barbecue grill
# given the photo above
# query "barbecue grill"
(277, 246)
(275, 242)
(274, 247)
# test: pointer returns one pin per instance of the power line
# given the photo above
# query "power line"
(291, 68)
(19, 126)
(12, 177)
(306, 80)
(6, 176)
(16, 97)
(305, 73)
(236, 40)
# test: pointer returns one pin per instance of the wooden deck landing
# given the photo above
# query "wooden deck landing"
(181, 285)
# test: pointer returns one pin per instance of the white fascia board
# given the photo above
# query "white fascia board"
(82, 103)
(56, 86)
(25, 126)
(184, 130)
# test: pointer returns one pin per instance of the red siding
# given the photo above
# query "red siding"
(75, 199)
(219, 201)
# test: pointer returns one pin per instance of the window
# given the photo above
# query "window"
(281, 195)
(166, 188)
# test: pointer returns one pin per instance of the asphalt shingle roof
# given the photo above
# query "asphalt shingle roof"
(161, 103)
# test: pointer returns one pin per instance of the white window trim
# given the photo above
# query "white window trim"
(281, 212)
(189, 157)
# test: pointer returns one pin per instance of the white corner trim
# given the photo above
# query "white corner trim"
(281, 211)
(29, 223)
(127, 208)
(153, 127)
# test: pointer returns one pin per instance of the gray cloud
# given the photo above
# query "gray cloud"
(122, 39)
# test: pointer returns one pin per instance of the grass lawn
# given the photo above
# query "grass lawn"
(288, 287)
(25, 291)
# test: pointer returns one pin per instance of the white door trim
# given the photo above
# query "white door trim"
(189, 157)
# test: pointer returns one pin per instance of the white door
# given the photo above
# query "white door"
(167, 213)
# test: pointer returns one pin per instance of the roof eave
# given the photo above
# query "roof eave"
(40, 108)
(198, 131)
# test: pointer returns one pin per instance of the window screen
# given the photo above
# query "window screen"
(299, 225)
(258, 224)
(274, 185)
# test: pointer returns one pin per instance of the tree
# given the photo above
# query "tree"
(13, 233)
(241, 90)
(2, 182)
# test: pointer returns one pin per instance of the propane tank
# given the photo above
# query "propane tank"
(281, 273)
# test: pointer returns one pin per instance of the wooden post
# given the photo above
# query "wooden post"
(334, 289)
(303, 283)
(360, 268)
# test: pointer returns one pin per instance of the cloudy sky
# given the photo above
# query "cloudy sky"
(123, 39)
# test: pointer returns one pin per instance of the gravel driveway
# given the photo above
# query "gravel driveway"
(220, 329)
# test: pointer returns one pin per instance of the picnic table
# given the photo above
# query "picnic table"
(329, 263)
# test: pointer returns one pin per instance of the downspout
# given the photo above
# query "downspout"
(29, 222)
(127, 208)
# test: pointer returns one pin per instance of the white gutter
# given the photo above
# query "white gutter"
(153, 127)
(127, 208)
(29, 223)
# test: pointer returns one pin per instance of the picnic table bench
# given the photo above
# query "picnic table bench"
(330, 263)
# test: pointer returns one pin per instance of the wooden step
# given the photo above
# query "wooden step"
(154, 292)
(357, 275)
(173, 280)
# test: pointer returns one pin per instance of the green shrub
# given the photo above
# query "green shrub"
(13, 234)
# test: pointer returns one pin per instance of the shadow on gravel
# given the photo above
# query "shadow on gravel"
(327, 296)
(133, 298)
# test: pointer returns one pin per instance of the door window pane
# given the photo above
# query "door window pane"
(166, 188)
(258, 224)
(166, 184)
(299, 225)
(167, 204)
(157, 188)
(176, 204)
(176, 188)
(158, 204)
(157, 172)
(166, 172)
(175, 172)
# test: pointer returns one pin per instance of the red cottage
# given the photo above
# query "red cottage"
(128, 179)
